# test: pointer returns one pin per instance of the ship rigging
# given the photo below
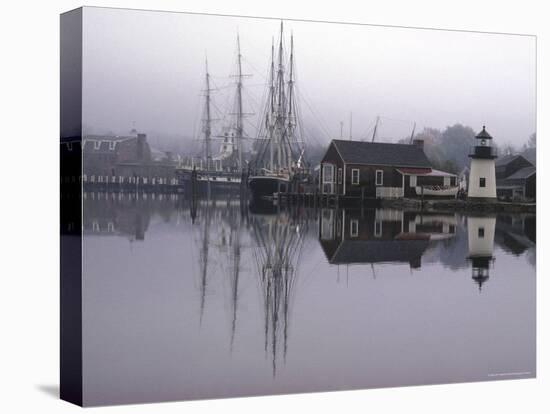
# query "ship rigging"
(279, 164)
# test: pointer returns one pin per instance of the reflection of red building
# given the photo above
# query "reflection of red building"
(378, 236)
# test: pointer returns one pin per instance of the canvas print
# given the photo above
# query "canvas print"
(255, 206)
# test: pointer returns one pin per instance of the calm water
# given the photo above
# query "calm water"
(214, 299)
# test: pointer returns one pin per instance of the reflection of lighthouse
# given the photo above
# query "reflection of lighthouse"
(481, 239)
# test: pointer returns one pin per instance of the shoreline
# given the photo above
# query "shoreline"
(462, 205)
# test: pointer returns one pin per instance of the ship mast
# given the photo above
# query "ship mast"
(280, 103)
(240, 128)
(281, 110)
(375, 128)
(207, 122)
(290, 118)
(271, 106)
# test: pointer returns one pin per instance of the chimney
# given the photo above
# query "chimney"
(419, 143)
(141, 140)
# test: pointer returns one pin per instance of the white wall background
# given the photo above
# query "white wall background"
(29, 85)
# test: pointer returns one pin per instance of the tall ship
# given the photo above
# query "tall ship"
(279, 164)
(223, 170)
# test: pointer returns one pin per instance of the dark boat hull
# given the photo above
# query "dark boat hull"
(262, 187)
(209, 181)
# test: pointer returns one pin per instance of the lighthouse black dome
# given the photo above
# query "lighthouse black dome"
(484, 134)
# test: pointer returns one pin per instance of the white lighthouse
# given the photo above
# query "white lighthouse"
(482, 182)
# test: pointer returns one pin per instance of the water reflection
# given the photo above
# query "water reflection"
(278, 244)
(346, 236)
(381, 236)
(261, 284)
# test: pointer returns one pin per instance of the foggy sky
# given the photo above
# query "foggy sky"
(147, 69)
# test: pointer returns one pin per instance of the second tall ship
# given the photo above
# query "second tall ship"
(224, 170)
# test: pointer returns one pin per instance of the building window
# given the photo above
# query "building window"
(328, 179)
(412, 180)
(328, 173)
(379, 177)
(378, 228)
(339, 176)
(97, 145)
(481, 182)
(481, 232)
(354, 228)
(355, 176)
(112, 145)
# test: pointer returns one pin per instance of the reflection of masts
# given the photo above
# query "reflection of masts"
(279, 243)
(204, 256)
(235, 270)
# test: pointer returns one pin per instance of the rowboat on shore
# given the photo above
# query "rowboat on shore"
(437, 191)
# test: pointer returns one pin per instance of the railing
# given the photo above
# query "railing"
(483, 152)
(128, 180)
(389, 192)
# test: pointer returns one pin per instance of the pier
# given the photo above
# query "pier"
(105, 183)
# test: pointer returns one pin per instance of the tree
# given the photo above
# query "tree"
(456, 142)
(530, 149)
(532, 141)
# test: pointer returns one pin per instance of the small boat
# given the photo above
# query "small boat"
(437, 191)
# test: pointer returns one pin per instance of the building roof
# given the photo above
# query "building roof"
(115, 138)
(414, 171)
(378, 153)
(484, 134)
(506, 159)
(522, 174)
(429, 172)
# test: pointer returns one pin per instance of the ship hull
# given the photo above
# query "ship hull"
(209, 181)
(262, 187)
